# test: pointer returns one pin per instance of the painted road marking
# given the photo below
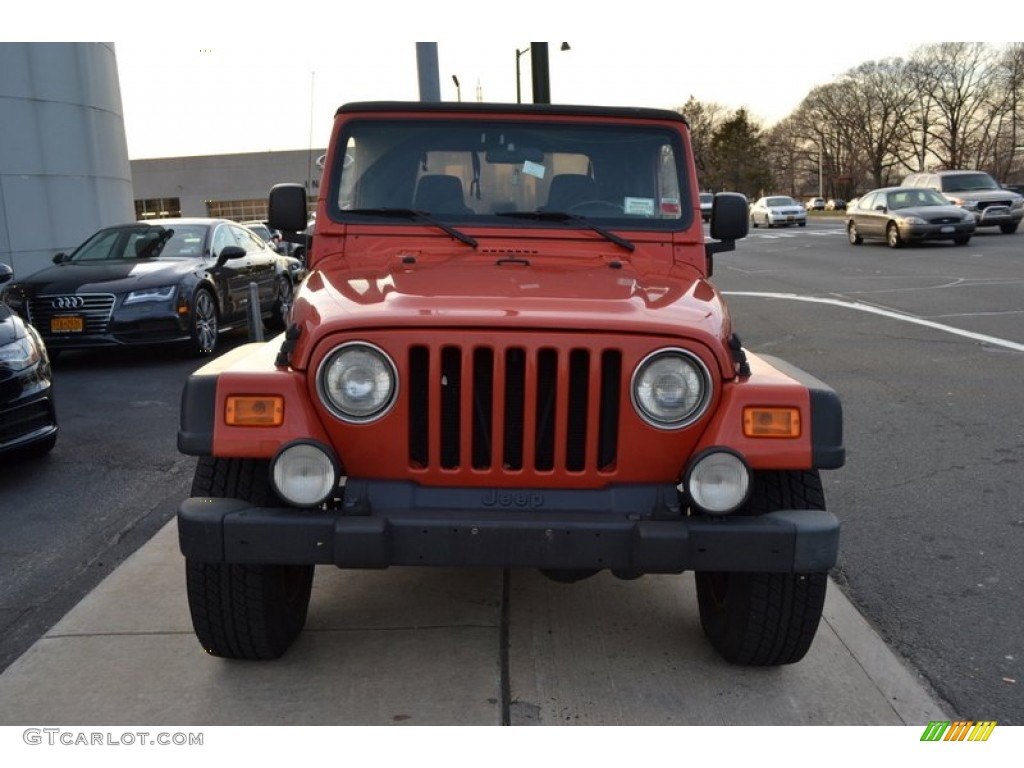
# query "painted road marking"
(889, 313)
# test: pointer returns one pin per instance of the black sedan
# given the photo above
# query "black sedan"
(169, 280)
(28, 421)
(900, 215)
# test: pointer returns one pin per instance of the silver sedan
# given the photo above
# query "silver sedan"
(900, 215)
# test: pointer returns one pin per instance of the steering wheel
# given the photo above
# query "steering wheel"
(596, 205)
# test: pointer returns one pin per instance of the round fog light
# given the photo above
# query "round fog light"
(304, 474)
(719, 482)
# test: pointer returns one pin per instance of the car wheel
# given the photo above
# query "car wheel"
(1009, 229)
(243, 611)
(753, 222)
(282, 305)
(962, 240)
(204, 322)
(766, 619)
(803, 223)
(852, 234)
(892, 236)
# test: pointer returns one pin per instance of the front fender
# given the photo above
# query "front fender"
(776, 383)
(246, 370)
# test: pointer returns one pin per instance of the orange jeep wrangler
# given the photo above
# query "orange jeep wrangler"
(508, 353)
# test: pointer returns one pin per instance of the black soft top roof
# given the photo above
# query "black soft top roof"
(636, 113)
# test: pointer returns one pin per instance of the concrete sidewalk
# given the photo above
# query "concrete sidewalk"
(431, 646)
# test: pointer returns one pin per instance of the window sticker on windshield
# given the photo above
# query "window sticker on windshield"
(531, 168)
(638, 206)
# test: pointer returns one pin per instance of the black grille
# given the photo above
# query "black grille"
(504, 409)
(95, 309)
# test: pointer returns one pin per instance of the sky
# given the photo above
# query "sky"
(225, 77)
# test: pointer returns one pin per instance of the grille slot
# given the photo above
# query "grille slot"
(96, 309)
(513, 408)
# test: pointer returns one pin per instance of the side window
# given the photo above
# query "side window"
(250, 241)
(868, 203)
(221, 239)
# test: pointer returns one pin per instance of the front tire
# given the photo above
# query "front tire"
(964, 240)
(1009, 229)
(204, 322)
(853, 235)
(278, 320)
(892, 236)
(242, 611)
(766, 619)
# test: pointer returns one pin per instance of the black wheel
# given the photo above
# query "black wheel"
(852, 234)
(244, 611)
(962, 239)
(278, 320)
(1009, 229)
(753, 221)
(892, 236)
(803, 223)
(204, 323)
(567, 575)
(766, 619)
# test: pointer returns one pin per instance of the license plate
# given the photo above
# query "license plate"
(946, 230)
(67, 324)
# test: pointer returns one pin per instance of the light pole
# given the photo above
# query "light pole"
(519, 79)
(458, 88)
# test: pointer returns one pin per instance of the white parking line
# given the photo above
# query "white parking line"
(890, 313)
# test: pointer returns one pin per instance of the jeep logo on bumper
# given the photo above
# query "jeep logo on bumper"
(520, 499)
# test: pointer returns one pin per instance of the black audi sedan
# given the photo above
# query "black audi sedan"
(161, 281)
(28, 420)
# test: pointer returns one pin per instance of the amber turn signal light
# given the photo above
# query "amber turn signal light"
(254, 411)
(771, 422)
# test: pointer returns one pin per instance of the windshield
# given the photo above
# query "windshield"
(777, 201)
(144, 242)
(481, 171)
(967, 182)
(915, 198)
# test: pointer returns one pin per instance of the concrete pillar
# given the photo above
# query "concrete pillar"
(64, 169)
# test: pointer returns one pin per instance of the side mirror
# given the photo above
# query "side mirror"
(286, 207)
(229, 252)
(729, 223)
(60, 258)
(6, 273)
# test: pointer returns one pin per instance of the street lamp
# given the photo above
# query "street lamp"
(519, 82)
(519, 53)
(458, 89)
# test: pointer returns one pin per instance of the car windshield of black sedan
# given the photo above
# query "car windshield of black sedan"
(142, 243)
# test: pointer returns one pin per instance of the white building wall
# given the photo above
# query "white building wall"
(64, 170)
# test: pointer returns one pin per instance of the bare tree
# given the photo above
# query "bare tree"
(704, 118)
(958, 78)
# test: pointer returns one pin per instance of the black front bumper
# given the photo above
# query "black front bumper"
(371, 533)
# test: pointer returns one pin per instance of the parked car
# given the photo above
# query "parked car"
(815, 204)
(28, 419)
(171, 280)
(707, 200)
(900, 215)
(977, 192)
(835, 204)
(777, 209)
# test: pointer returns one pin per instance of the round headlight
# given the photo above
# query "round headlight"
(718, 482)
(358, 382)
(304, 474)
(671, 388)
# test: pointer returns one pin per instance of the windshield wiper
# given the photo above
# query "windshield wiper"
(574, 218)
(409, 213)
